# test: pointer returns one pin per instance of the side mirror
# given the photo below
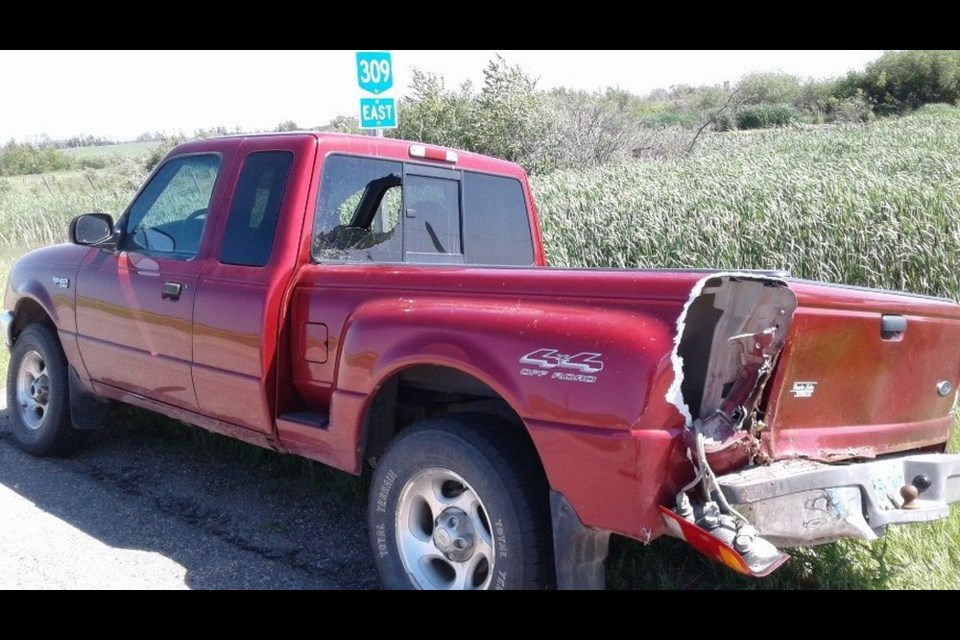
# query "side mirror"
(93, 229)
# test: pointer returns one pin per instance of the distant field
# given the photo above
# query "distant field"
(123, 150)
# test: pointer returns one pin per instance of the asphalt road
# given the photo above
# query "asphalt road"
(141, 509)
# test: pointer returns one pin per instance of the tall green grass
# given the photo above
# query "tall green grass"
(873, 205)
(35, 210)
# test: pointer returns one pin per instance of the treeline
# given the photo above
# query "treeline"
(23, 158)
(509, 117)
(44, 141)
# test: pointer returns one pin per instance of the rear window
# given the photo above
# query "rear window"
(431, 218)
(373, 210)
(497, 226)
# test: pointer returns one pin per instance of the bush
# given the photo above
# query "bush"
(901, 81)
(770, 88)
(167, 143)
(20, 159)
(853, 109)
(761, 116)
(595, 128)
(94, 162)
(725, 121)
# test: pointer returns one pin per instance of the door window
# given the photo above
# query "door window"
(169, 215)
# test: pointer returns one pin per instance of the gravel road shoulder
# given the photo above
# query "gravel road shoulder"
(148, 506)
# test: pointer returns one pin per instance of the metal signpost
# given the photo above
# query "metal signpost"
(375, 75)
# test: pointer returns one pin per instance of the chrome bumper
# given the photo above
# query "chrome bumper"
(6, 321)
(803, 503)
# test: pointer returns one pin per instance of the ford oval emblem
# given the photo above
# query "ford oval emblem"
(943, 388)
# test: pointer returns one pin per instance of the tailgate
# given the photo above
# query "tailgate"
(863, 373)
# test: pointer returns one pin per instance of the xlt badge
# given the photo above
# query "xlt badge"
(803, 389)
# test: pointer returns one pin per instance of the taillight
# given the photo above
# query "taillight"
(432, 153)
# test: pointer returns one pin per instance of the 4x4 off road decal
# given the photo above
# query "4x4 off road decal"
(547, 361)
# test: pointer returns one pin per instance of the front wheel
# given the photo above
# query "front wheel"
(37, 394)
(461, 503)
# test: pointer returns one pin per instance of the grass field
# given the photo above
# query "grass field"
(123, 150)
(874, 205)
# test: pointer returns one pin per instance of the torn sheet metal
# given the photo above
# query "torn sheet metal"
(729, 335)
(674, 394)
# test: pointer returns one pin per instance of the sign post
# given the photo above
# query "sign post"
(375, 76)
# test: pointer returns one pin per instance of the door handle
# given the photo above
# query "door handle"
(172, 290)
(892, 327)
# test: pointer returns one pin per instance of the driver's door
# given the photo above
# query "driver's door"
(135, 305)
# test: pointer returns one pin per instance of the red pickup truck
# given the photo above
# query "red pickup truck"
(357, 301)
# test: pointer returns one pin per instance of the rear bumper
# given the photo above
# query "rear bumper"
(803, 503)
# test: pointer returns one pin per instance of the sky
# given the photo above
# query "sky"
(120, 95)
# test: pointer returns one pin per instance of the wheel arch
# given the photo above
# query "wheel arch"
(413, 391)
(28, 311)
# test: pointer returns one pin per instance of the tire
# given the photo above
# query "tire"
(461, 502)
(38, 399)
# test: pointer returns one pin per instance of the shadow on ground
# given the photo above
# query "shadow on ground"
(231, 515)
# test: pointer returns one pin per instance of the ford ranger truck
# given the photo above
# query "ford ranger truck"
(356, 300)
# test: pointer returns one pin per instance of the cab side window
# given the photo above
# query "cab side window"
(359, 211)
(169, 215)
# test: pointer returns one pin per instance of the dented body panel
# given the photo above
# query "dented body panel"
(638, 388)
(844, 391)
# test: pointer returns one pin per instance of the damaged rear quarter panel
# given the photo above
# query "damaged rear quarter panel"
(728, 339)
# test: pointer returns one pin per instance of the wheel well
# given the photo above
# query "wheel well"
(29, 311)
(425, 391)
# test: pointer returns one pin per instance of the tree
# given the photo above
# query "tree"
(899, 81)
(595, 128)
(508, 118)
(342, 124)
(431, 113)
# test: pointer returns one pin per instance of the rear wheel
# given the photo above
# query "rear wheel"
(38, 396)
(461, 503)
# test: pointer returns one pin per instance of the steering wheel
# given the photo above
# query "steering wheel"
(196, 215)
(143, 233)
